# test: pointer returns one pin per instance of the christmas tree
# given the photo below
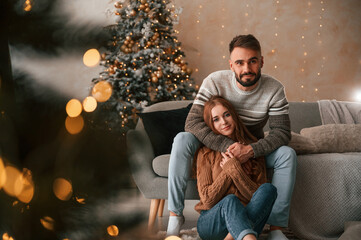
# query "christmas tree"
(144, 62)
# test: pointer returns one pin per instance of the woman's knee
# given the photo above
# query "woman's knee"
(268, 189)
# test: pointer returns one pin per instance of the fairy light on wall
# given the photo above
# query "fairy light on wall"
(319, 39)
(274, 39)
(246, 15)
(222, 26)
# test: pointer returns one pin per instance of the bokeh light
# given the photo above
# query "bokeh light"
(73, 108)
(173, 238)
(89, 104)
(358, 96)
(27, 191)
(6, 236)
(62, 189)
(12, 185)
(2, 173)
(91, 57)
(74, 125)
(47, 222)
(102, 91)
(113, 230)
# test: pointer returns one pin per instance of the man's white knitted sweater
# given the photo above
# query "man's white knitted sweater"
(266, 101)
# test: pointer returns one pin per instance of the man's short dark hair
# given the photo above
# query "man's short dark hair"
(245, 41)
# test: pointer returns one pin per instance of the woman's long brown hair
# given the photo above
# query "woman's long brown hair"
(241, 133)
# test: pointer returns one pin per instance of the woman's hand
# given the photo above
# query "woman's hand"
(226, 156)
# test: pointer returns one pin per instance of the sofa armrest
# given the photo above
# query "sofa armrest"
(140, 156)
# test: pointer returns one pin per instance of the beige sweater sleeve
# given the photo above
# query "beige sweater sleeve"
(211, 191)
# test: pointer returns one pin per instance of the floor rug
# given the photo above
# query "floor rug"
(191, 234)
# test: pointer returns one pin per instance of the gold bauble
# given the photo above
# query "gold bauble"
(184, 67)
(128, 38)
(177, 60)
(118, 5)
(133, 13)
(141, 7)
(126, 42)
(130, 45)
(159, 74)
(182, 62)
(154, 79)
(147, 10)
(189, 70)
(143, 1)
(123, 47)
(149, 43)
(103, 56)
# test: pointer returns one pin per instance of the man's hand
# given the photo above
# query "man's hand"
(241, 152)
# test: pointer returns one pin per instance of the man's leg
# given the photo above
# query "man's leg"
(184, 147)
(284, 162)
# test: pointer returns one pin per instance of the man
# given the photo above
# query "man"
(257, 98)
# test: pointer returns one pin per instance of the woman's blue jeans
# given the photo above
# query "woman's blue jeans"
(283, 160)
(230, 215)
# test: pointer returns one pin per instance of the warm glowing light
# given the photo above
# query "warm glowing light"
(12, 185)
(173, 238)
(27, 191)
(316, 89)
(48, 223)
(7, 237)
(62, 189)
(89, 104)
(27, 6)
(91, 58)
(73, 108)
(358, 96)
(74, 125)
(80, 200)
(2, 173)
(113, 230)
(102, 91)
(305, 53)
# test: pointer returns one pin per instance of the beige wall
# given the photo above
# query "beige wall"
(316, 44)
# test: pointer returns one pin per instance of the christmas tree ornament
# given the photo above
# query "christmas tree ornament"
(118, 5)
(133, 13)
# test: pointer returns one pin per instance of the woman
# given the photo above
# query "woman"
(235, 200)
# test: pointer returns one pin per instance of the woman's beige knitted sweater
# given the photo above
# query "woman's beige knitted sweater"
(215, 182)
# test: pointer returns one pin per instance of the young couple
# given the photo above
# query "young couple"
(235, 201)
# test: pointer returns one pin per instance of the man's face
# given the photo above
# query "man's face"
(246, 64)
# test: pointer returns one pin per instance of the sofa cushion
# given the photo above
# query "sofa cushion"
(335, 138)
(163, 126)
(301, 144)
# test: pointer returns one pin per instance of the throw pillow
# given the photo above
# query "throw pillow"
(163, 126)
(335, 138)
(301, 144)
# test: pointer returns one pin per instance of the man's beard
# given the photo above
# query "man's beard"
(250, 83)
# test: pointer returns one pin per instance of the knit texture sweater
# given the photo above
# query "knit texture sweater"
(266, 102)
(215, 182)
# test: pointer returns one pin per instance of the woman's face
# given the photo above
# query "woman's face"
(222, 120)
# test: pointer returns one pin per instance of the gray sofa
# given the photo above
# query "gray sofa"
(328, 185)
